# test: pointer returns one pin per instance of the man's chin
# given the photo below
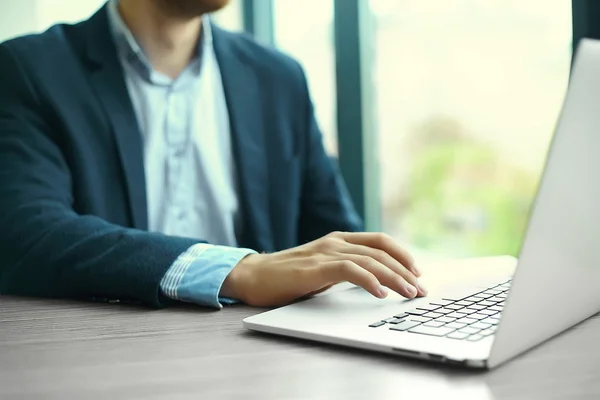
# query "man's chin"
(192, 8)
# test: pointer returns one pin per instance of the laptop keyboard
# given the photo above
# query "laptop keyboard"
(470, 318)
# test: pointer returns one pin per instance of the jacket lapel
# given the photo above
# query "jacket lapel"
(242, 94)
(243, 97)
(108, 81)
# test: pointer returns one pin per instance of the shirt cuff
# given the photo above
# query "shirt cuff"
(197, 275)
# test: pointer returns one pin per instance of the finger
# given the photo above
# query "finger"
(384, 275)
(321, 290)
(386, 243)
(345, 270)
(388, 261)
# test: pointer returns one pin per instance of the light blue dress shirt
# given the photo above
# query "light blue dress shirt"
(188, 162)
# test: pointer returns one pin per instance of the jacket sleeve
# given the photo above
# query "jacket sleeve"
(47, 249)
(326, 204)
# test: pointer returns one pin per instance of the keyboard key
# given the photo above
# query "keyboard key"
(487, 332)
(480, 325)
(496, 299)
(442, 303)
(417, 312)
(490, 321)
(474, 299)
(468, 330)
(496, 308)
(456, 315)
(445, 319)
(434, 324)
(433, 315)
(478, 316)
(458, 335)
(464, 303)
(467, 321)
(455, 325)
(393, 320)
(376, 324)
(487, 303)
(454, 306)
(401, 315)
(425, 330)
(501, 296)
(468, 310)
(488, 312)
(429, 307)
(474, 338)
(418, 318)
(445, 310)
(477, 307)
(485, 295)
(494, 291)
(403, 326)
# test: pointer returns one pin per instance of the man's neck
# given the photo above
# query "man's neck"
(169, 42)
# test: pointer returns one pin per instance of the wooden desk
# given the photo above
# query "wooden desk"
(69, 350)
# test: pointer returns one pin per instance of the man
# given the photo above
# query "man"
(147, 155)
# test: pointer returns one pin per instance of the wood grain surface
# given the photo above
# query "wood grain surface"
(53, 349)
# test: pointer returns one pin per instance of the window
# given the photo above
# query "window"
(467, 95)
(304, 30)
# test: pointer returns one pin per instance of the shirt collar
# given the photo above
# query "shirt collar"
(130, 50)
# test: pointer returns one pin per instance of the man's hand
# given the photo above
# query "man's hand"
(370, 260)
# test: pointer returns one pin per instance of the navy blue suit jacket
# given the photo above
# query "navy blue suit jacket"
(73, 218)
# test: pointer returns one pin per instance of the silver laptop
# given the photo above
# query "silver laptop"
(485, 320)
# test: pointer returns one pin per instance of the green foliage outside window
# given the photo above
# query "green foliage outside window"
(463, 198)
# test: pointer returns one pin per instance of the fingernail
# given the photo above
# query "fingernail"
(382, 292)
(422, 288)
(411, 290)
(416, 270)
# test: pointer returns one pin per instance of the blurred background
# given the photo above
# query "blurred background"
(466, 95)
(458, 100)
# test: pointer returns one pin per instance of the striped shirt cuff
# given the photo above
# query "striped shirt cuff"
(198, 274)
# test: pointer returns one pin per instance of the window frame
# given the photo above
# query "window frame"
(585, 20)
(257, 20)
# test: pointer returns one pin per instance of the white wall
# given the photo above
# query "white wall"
(230, 17)
(50, 12)
(19, 17)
